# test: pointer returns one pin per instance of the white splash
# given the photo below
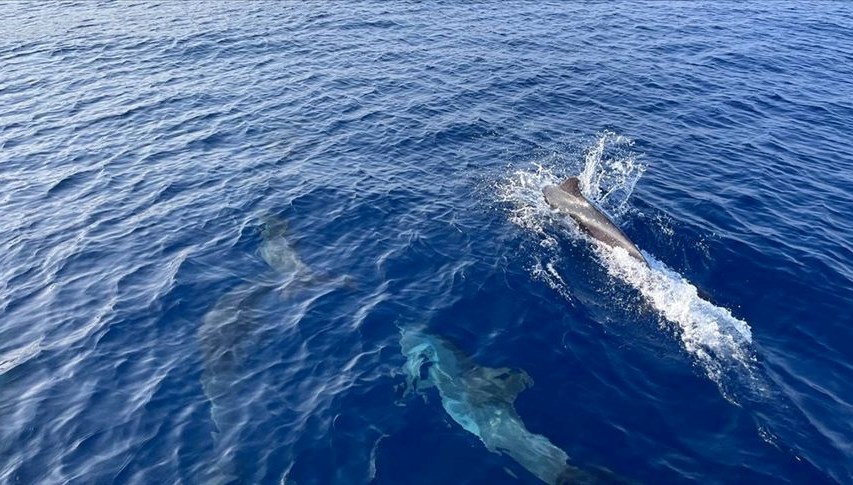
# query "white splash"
(523, 193)
(608, 171)
(718, 340)
(548, 273)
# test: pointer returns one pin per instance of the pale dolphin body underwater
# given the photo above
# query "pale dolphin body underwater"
(278, 252)
(480, 399)
(568, 199)
(226, 328)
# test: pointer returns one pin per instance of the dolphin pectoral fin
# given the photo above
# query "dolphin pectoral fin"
(309, 279)
(515, 382)
(507, 382)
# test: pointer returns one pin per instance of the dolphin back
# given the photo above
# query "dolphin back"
(568, 198)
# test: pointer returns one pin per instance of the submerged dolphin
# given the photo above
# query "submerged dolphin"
(568, 199)
(480, 399)
(226, 329)
(228, 333)
(290, 272)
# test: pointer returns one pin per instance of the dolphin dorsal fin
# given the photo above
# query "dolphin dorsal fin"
(571, 185)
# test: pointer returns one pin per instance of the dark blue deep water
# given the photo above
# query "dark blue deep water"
(305, 243)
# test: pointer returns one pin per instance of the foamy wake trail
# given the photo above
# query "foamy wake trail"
(718, 341)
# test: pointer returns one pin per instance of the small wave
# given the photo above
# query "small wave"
(13, 358)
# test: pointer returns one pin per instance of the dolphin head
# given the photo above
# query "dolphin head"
(482, 401)
(552, 195)
(421, 348)
(558, 198)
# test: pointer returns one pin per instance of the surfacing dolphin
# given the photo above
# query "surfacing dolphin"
(480, 399)
(568, 199)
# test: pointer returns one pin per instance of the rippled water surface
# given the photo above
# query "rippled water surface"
(306, 243)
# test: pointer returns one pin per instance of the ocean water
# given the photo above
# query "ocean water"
(305, 243)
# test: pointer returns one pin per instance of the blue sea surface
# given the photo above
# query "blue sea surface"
(305, 243)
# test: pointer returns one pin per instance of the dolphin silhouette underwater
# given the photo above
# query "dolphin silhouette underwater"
(229, 331)
(480, 399)
(227, 327)
(568, 199)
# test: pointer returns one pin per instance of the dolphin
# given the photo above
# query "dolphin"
(480, 399)
(568, 199)
(226, 337)
(229, 330)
